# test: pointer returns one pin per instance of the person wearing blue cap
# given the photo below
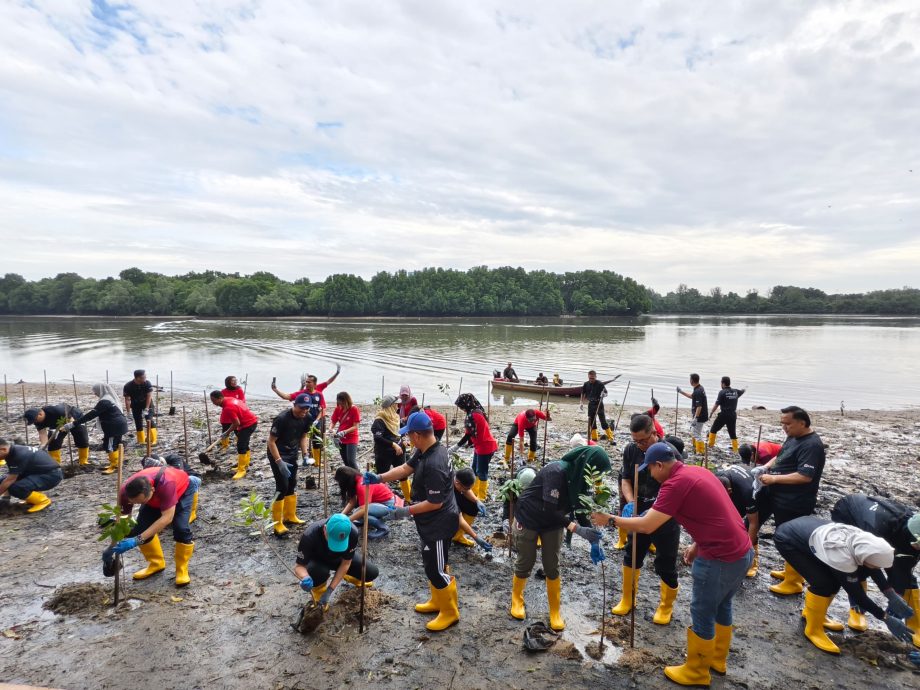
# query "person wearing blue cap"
(290, 432)
(721, 554)
(329, 546)
(434, 509)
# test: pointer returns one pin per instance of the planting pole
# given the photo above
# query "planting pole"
(423, 401)
(24, 411)
(382, 386)
(106, 377)
(489, 400)
(676, 407)
(756, 455)
(545, 429)
(156, 397)
(70, 451)
(45, 375)
(185, 432)
(616, 426)
(6, 397)
(245, 382)
(454, 420)
(323, 477)
(147, 438)
(632, 594)
(604, 606)
(76, 399)
(121, 453)
(207, 416)
(510, 511)
(367, 516)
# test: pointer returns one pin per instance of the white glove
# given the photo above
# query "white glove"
(453, 449)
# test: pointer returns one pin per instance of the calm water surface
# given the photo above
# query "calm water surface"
(815, 362)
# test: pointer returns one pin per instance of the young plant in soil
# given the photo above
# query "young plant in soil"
(597, 500)
(115, 527)
(255, 513)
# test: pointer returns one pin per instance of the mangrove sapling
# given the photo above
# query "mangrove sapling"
(254, 512)
(597, 501)
(115, 527)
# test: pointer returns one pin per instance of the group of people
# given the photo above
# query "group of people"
(659, 494)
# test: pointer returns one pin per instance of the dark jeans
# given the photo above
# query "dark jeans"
(714, 586)
(435, 557)
(667, 541)
(349, 453)
(481, 466)
(284, 486)
(24, 486)
(182, 533)
(242, 437)
(531, 432)
(139, 422)
(596, 414)
(321, 570)
(726, 419)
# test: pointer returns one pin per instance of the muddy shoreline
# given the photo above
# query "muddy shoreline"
(231, 627)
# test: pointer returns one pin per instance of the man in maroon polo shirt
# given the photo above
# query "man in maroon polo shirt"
(722, 554)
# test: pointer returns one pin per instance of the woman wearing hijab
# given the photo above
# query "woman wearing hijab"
(542, 513)
(388, 448)
(406, 403)
(111, 419)
(232, 389)
(831, 556)
(479, 435)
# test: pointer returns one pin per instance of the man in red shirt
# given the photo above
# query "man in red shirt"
(527, 421)
(317, 408)
(165, 496)
(236, 418)
(766, 451)
(438, 421)
(721, 554)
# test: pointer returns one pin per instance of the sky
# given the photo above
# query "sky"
(732, 144)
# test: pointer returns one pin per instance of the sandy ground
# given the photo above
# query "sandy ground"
(231, 627)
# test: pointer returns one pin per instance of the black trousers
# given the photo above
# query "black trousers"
(819, 575)
(596, 414)
(284, 485)
(137, 411)
(766, 507)
(667, 542)
(531, 432)
(80, 438)
(242, 437)
(321, 570)
(726, 419)
(435, 557)
(182, 533)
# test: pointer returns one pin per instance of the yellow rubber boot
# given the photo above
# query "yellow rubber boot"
(56, 454)
(355, 581)
(723, 642)
(531, 455)
(448, 608)
(621, 541)
(113, 463)
(712, 440)
(406, 487)
(153, 552)
(192, 516)
(225, 443)
(652, 549)
(554, 595)
(317, 454)
(509, 451)
(318, 592)
(699, 446)
(460, 537)
(792, 583)
(630, 586)
(278, 518)
(517, 597)
(242, 463)
(609, 433)
(699, 658)
(815, 613)
(734, 445)
(183, 556)
(594, 435)
(141, 437)
(752, 571)
(666, 605)
(37, 501)
(83, 456)
(912, 597)
(430, 606)
(483, 489)
(153, 436)
(856, 620)
(290, 510)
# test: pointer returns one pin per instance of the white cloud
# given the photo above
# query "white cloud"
(741, 146)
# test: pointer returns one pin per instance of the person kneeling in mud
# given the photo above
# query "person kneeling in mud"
(31, 471)
(470, 507)
(328, 546)
(165, 496)
(382, 501)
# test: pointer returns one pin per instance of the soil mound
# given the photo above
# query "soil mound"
(84, 597)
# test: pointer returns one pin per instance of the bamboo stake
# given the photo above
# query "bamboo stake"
(245, 382)
(676, 407)
(622, 405)
(106, 377)
(70, 451)
(489, 400)
(207, 416)
(121, 453)
(706, 455)
(755, 458)
(604, 606)
(24, 411)
(45, 375)
(76, 398)
(545, 429)
(156, 396)
(185, 432)
(6, 397)
(454, 420)
(147, 438)
(423, 401)
(382, 386)
(172, 405)
(632, 594)
(367, 515)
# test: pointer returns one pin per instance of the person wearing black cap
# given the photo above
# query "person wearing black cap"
(699, 412)
(138, 394)
(30, 471)
(527, 421)
(111, 419)
(665, 538)
(791, 482)
(899, 525)
(721, 554)
(329, 547)
(52, 417)
(434, 509)
(832, 556)
(470, 508)
(289, 434)
(594, 392)
(738, 481)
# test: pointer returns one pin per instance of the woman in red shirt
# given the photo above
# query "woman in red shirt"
(347, 417)
(383, 501)
(232, 389)
(236, 417)
(479, 435)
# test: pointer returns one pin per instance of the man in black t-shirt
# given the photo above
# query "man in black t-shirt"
(738, 481)
(328, 546)
(510, 374)
(138, 394)
(593, 392)
(791, 484)
(30, 471)
(699, 412)
(727, 405)
(434, 509)
(49, 419)
(289, 435)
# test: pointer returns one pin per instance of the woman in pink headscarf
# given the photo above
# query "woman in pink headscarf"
(406, 403)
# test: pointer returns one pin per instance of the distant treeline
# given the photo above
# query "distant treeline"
(479, 291)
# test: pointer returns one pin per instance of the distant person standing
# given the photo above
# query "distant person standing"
(727, 405)
(593, 392)
(232, 389)
(509, 374)
(347, 417)
(289, 434)
(766, 451)
(235, 417)
(699, 412)
(311, 387)
(48, 419)
(138, 394)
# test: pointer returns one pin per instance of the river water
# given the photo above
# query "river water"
(815, 362)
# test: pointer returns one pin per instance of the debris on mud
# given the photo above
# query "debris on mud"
(594, 649)
(566, 650)
(879, 649)
(639, 659)
(84, 597)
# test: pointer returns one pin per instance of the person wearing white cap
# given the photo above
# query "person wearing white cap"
(831, 556)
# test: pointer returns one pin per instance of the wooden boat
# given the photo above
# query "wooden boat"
(538, 389)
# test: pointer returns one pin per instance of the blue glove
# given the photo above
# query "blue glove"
(597, 553)
(627, 510)
(481, 508)
(396, 514)
(126, 545)
(371, 478)
(285, 469)
(483, 544)
(897, 607)
(897, 628)
(589, 533)
(306, 584)
(327, 595)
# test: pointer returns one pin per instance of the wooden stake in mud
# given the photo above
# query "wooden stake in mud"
(107, 377)
(45, 375)
(756, 454)
(6, 397)
(603, 607)
(632, 594)
(423, 401)
(616, 426)
(676, 407)
(489, 400)
(511, 511)
(367, 515)
(706, 455)
(185, 433)
(207, 416)
(121, 455)
(382, 386)
(246, 382)
(76, 399)
(322, 479)
(70, 451)
(172, 405)
(147, 438)
(24, 411)
(456, 409)
(545, 429)
(156, 399)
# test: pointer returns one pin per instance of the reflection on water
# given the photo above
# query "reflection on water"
(812, 361)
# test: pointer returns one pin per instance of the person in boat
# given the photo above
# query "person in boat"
(557, 380)
(541, 379)
(510, 374)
